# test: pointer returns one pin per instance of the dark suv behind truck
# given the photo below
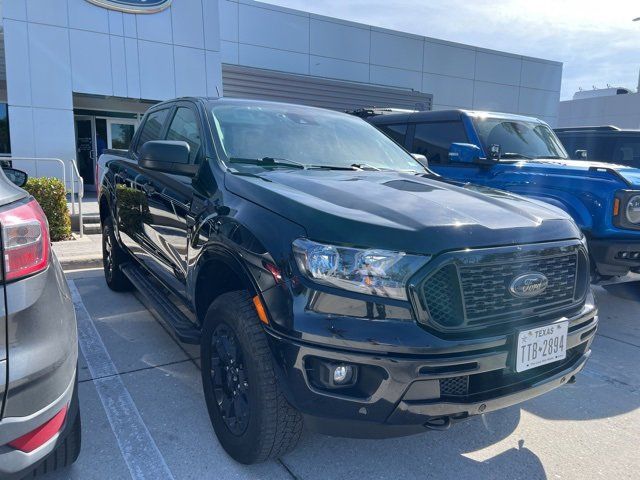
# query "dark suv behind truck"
(331, 280)
(604, 144)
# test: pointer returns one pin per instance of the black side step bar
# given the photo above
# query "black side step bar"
(155, 299)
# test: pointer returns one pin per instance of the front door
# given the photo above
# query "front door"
(170, 199)
(85, 148)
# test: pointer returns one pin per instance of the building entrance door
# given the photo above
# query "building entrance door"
(85, 148)
(95, 134)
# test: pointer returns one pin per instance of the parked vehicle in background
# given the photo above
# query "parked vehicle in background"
(39, 412)
(330, 279)
(605, 144)
(522, 155)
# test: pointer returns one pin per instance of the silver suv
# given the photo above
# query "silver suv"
(39, 413)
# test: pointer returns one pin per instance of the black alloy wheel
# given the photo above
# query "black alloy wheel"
(229, 379)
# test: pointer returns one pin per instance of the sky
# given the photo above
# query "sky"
(597, 41)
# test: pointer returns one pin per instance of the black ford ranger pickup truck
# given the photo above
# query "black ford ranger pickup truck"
(361, 299)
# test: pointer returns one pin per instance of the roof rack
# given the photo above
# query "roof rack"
(601, 128)
(375, 111)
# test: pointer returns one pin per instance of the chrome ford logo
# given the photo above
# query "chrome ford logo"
(133, 6)
(528, 285)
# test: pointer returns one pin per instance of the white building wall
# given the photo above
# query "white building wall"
(260, 35)
(620, 110)
(55, 48)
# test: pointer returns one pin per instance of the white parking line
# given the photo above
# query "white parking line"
(139, 451)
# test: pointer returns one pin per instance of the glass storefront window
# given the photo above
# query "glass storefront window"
(121, 135)
(5, 144)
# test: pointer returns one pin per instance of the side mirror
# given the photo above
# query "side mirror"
(167, 156)
(464, 153)
(581, 154)
(17, 177)
(421, 159)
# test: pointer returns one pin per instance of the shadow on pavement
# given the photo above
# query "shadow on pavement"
(628, 291)
(432, 454)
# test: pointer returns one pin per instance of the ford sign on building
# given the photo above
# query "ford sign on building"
(133, 6)
(77, 75)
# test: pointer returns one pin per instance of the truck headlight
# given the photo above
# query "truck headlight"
(632, 210)
(382, 273)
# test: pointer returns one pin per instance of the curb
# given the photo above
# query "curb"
(80, 263)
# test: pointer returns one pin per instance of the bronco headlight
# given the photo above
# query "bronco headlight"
(370, 271)
(626, 209)
(632, 210)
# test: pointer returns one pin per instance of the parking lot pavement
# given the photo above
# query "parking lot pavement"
(152, 403)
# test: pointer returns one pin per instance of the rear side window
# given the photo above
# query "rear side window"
(627, 152)
(434, 139)
(395, 132)
(152, 128)
(184, 127)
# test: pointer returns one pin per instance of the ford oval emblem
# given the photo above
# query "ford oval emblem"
(133, 6)
(528, 285)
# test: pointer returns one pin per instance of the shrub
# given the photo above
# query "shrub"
(52, 197)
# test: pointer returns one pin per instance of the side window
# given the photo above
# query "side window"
(152, 128)
(184, 127)
(627, 152)
(434, 139)
(395, 132)
(571, 144)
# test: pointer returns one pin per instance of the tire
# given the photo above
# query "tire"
(67, 451)
(271, 426)
(113, 257)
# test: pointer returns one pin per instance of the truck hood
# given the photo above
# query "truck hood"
(629, 174)
(401, 211)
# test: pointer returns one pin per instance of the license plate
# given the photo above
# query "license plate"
(542, 345)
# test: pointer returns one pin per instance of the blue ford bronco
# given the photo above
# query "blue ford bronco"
(523, 155)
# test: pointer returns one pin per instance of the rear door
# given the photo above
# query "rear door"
(132, 193)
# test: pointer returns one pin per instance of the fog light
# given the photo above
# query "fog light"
(342, 374)
(325, 374)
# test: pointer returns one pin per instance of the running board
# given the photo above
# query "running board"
(155, 299)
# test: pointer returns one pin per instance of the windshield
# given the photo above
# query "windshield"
(307, 136)
(518, 138)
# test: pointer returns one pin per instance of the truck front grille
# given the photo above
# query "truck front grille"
(470, 289)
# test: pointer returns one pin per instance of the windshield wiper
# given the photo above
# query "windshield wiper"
(267, 162)
(550, 157)
(365, 166)
(335, 167)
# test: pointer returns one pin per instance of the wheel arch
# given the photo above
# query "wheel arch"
(217, 272)
(104, 208)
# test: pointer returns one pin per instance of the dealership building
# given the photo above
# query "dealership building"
(619, 107)
(76, 75)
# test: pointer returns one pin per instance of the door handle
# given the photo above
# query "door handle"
(148, 189)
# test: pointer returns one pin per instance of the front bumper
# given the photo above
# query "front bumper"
(403, 394)
(605, 254)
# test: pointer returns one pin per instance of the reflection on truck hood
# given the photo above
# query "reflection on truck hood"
(400, 211)
(630, 174)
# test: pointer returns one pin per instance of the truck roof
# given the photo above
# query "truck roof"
(601, 129)
(446, 115)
